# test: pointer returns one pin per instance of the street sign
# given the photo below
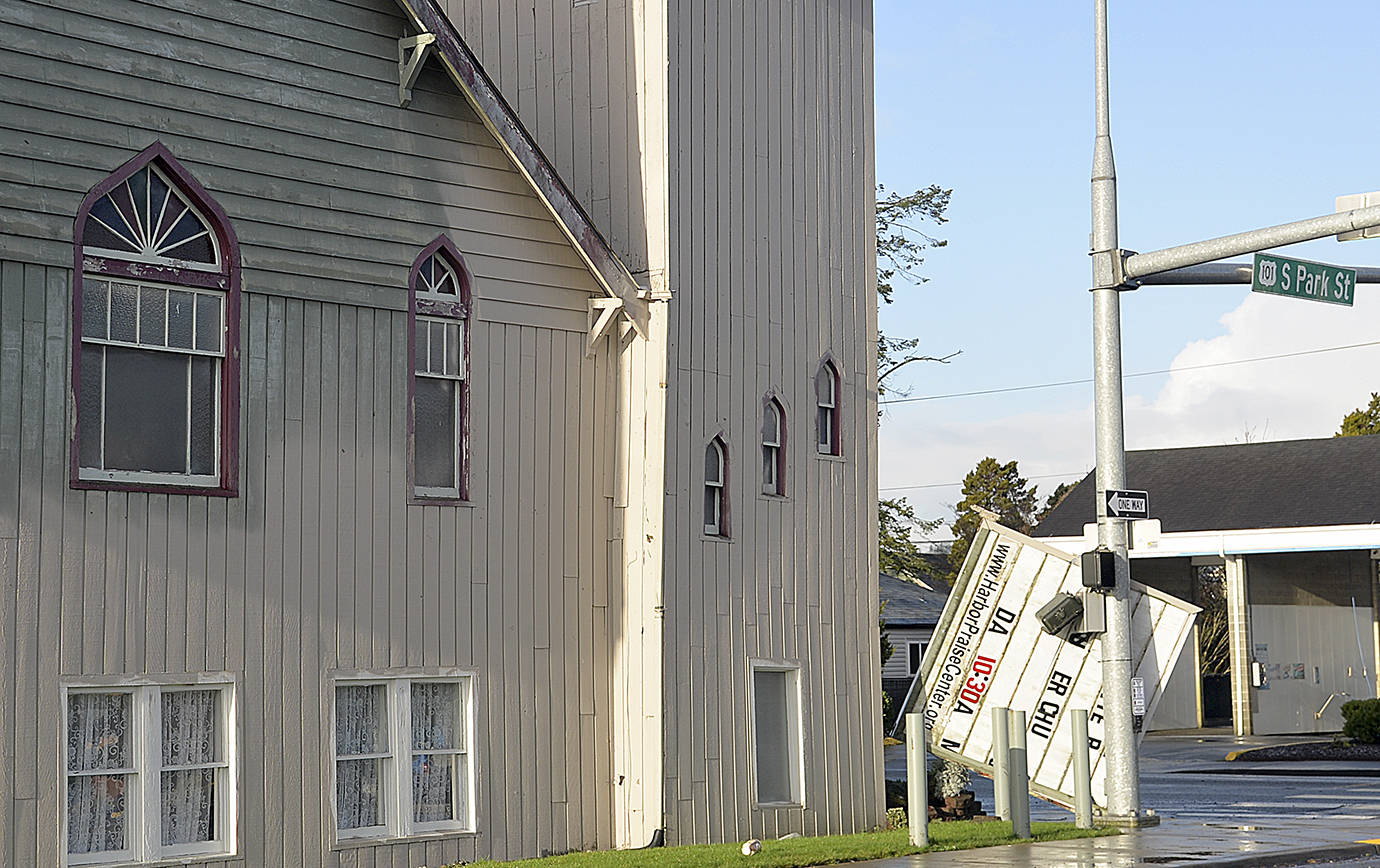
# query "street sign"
(989, 651)
(1128, 504)
(1298, 278)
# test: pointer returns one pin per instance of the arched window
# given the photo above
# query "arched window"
(438, 387)
(773, 447)
(829, 414)
(155, 333)
(715, 488)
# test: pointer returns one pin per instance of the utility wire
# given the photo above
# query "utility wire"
(1127, 376)
(1078, 473)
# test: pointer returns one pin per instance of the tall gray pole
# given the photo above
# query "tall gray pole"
(1123, 772)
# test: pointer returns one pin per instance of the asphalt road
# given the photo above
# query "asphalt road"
(1180, 778)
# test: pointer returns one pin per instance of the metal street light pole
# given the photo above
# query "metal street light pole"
(1123, 766)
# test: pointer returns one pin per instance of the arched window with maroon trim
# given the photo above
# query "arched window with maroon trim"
(773, 447)
(716, 488)
(438, 386)
(829, 415)
(155, 333)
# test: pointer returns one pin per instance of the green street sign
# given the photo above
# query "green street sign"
(1300, 279)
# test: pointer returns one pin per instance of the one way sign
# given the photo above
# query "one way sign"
(1128, 504)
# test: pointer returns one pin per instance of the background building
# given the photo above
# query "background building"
(1279, 543)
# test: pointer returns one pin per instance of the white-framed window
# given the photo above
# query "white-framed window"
(778, 748)
(403, 751)
(438, 387)
(827, 415)
(915, 652)
(155, 309)
(149, 772)
(715, 488)
(773, 448)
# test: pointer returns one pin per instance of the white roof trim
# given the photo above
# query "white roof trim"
(1151, 543)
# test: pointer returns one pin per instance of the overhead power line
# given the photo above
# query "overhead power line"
(1129, 376)
(1078, 473)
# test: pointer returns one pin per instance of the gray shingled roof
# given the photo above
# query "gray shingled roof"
(1288, 483)
(909, 604)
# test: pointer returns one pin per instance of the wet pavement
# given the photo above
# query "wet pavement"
(1212, 812)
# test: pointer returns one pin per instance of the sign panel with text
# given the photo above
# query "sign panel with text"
(1299, 278)
(989, 651)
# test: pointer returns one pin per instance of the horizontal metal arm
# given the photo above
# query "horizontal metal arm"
(1138, 266)
(1229, 272)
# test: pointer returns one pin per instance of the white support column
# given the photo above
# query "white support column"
(1375, 621)
(1242, 652)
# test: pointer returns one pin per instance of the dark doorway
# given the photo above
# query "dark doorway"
(1214, 644)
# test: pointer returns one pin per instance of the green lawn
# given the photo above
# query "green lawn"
(804, 852)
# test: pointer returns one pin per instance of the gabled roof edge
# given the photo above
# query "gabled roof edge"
(503, 122)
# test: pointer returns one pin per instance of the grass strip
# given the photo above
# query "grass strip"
(806, 852)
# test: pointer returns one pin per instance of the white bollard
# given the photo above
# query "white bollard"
(917, 795)
(1020, 780)
(1001, 746)
(1082, 771)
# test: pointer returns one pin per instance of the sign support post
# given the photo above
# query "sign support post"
(1114, 271)
(1123, 766)
(917, 782)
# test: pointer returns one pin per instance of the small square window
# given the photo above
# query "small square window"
(149, 775)
(403, 759)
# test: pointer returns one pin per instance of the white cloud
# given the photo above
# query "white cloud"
(1282, 399)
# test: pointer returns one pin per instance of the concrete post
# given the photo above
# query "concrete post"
(1001, 746)
(1082, 771)
(917, 785)
(1020, 778)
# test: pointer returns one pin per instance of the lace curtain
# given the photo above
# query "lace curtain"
(360, 730)
(436, 726)
(98, 739)
(191, 746)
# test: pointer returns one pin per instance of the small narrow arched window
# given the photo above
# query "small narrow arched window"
(773, 448)
(155, 333)
(438, 385)
(828, 415)
(715, 488)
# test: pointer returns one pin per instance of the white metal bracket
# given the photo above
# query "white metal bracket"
(603, 312)
(412, 53)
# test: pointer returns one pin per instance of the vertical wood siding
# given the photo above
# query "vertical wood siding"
(772, 265)
(319, 565)
(289, 119)
(769, 250)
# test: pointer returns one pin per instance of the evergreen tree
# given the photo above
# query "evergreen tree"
(994, 486)
(1362, 421)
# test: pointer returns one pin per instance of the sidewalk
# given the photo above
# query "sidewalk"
(1225, 814)
(1173, 842)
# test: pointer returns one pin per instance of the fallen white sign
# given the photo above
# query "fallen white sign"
(989, 651)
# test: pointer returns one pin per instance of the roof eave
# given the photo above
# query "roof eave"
(503, 123)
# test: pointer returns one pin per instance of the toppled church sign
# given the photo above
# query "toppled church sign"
(992, 650)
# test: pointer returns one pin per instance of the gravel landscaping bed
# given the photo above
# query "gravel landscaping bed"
(1328, 751)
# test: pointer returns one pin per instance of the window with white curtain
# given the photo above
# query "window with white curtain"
(403, 756)
(149, 772)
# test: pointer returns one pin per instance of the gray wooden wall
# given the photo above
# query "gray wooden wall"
(771, 201)
(290, 120)
(770, 190)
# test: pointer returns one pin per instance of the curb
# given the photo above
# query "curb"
(1244, 753)
(1298, 856)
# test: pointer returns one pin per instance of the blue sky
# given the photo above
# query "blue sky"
(1226, 116)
